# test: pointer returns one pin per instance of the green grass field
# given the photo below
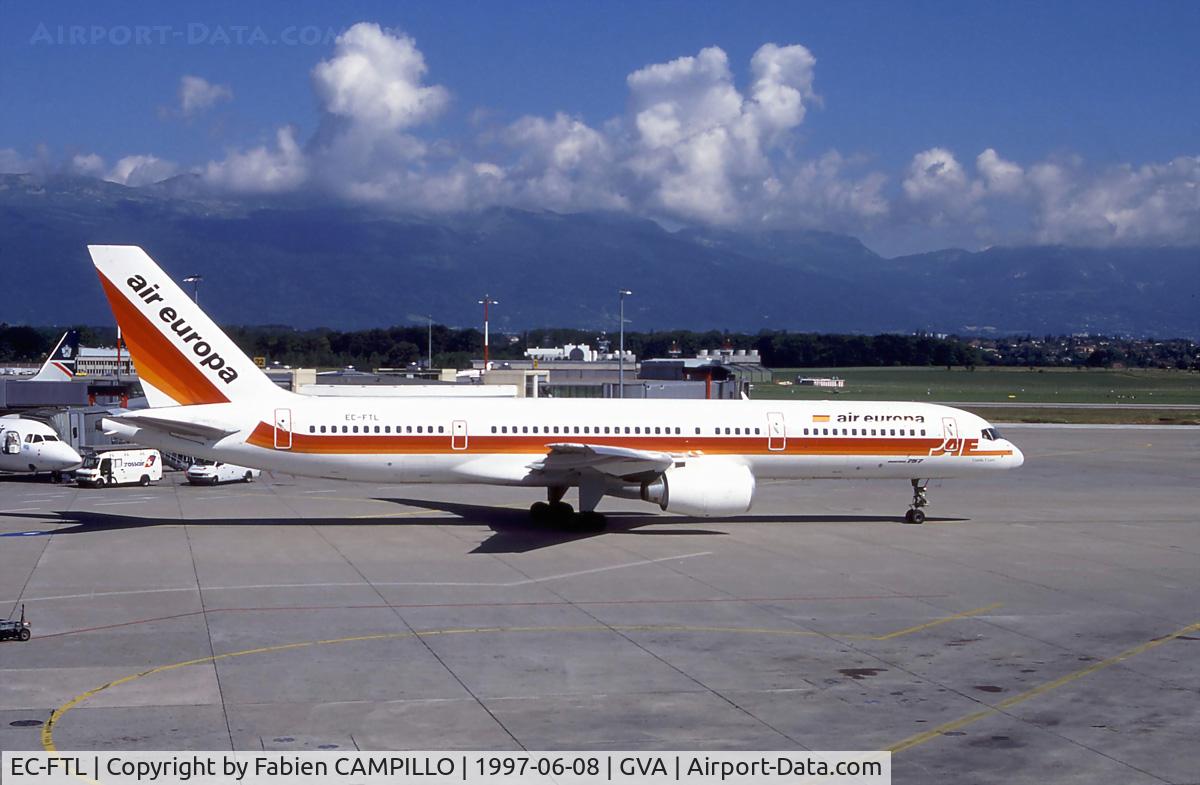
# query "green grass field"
(1009, 385)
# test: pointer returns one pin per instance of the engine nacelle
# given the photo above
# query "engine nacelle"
(703, 486)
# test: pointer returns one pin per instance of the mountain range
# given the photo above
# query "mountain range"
(306, 264)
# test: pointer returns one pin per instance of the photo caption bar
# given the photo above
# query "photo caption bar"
(434, 768)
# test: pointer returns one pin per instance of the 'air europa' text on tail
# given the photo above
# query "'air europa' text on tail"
(187, 335)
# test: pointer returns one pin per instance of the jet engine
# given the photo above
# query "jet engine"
(703, 486)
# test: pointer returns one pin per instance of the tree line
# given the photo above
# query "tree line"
(400, 346)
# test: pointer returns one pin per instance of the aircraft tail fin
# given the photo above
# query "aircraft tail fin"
(181, 356)
(60, 363)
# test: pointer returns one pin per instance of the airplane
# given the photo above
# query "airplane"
(28, 446)
(60, 364)
(31, 447)
(694, 457)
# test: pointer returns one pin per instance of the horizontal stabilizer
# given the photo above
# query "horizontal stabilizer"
(191, 427)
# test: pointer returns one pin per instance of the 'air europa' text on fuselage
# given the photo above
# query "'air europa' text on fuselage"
(200, 347)
(880, 417)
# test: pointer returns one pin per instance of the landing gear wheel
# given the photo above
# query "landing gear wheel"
(249, 477)
(915, 514)
(56, 477)
(539, 511)
(561, 512)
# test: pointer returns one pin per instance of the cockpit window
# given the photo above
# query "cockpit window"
(990, 434)
(50, 438)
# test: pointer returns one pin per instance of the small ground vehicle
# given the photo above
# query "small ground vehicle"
(13, 629)
(205, 472)
(120, 467)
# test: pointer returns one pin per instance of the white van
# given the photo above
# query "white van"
(205, 472)
(120, 467)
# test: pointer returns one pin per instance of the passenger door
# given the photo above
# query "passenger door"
(458, 435)
(776, 432)
(283, 429)
(951, 443)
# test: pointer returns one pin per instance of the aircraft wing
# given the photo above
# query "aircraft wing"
(620, 462)
(191, 428)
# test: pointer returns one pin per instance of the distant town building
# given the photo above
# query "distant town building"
(571, 352)
(103, 361)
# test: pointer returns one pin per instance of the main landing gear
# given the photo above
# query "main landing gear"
(558, 513)
(915, 514)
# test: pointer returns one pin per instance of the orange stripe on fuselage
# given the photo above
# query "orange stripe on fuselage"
(438, 444)
(158, 361)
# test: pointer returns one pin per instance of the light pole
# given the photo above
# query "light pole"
(195, 280)
(622, 294)
(485, 302)
(430, 366)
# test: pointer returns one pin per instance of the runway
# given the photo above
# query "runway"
(1041, 626)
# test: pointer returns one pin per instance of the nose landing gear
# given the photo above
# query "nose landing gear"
(915, 514)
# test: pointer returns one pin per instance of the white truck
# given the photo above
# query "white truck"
(120, 467)
(205, 472)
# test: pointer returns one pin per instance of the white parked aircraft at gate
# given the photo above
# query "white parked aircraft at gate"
(30, 447)
(692, 457)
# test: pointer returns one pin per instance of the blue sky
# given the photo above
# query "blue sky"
(1090, 109)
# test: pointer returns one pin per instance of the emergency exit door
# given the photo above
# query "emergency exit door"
(283, 429)
(458, 435)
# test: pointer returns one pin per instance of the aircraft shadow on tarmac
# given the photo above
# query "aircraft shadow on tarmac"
(513, 531)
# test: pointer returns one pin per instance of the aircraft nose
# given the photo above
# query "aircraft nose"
(65, 458)
(1018, 457)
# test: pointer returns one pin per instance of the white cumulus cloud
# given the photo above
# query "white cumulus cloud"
(999, 175)
(374, 78)
(135, 170)
(197, 95)
(1154, 203)
(693, 145)
(261, 169)
(89, 165)
(701, 146)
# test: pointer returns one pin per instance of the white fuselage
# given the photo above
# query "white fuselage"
(28, 446)
(462, 440)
